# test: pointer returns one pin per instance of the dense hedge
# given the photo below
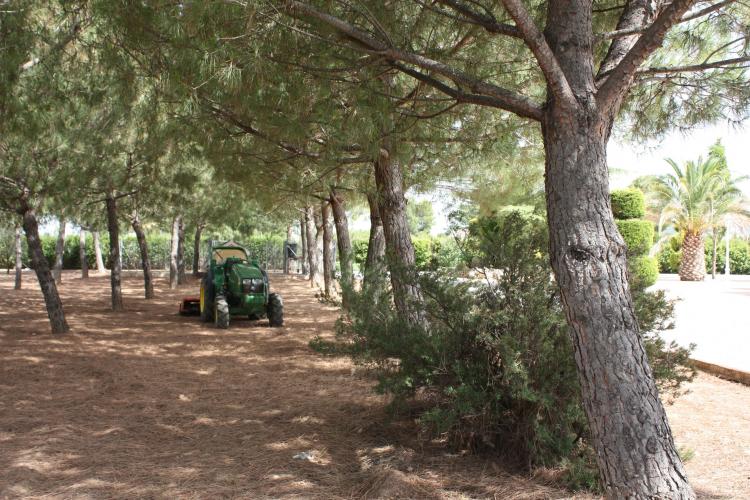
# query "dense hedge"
(638, 235)
(430, 252)
(644, 271)
(739, 256)
(628, 203)
(268, 250)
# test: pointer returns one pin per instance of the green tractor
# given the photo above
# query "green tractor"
(236, 286)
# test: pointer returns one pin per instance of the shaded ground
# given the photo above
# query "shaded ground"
(146, 403)
(713, 315)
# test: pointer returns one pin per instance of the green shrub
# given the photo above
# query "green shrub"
(359, 247)
(638, 235)
(669, 260)
(495, 368)
(644, 271)
(628, 203)
(422, 250)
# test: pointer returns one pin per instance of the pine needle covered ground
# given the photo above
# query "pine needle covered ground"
(146, 403)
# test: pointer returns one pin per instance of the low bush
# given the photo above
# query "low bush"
(644, 271)
(628, 203)
(638, 235)
(494, 370)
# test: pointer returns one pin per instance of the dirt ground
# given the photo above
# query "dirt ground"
(149, 404)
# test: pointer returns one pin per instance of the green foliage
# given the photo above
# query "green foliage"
(644, 271)
(8, 246)
(359, 247)
(422, 250)
(495, 369)
(739, 256)
(420, 216)
(628, 203)
(638, 235)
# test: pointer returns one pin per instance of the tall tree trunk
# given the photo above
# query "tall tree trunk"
(197, 248)
(693, 262)
(376, 243)
(713, 253)
(312, 248)
(19, 259)
(98, 253)
(115, 275)
(181, 276)
(328, 263)
(41, 267)
(344, 245)
(287, 242)
(82, 254)
(634, 448)
(148, 276)
(303, 244)
(407, 294)
(174, 253)
(59, 252)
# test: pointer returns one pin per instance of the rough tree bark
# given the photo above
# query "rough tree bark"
(199, 227)
(635, 451)
(82, 254)
(376, 243)
(41, 267)
(98, 252)
(115, 275)
(174, 253)
(312, 247)
(344, 242)
(181, 276)
(693, 262)
(19, 260)
(59, 251)
(399, 248)
(148, 276)
(303, 245)
(328, 263)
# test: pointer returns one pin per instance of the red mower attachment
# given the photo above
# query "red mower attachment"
(190, 306)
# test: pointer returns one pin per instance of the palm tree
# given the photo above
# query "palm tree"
(696, 199)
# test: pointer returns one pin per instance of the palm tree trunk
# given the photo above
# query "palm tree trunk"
(693, 262)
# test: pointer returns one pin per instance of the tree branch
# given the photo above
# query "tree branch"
(726, 63)
(619, 80)
(480, 90)
(486, 21)
(534, 38)
(641, 29)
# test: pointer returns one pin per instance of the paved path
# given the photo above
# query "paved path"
(713, 314)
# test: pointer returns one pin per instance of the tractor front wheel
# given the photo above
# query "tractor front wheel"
(221, 312)
(275, 310)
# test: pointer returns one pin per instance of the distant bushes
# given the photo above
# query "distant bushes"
(430, 252)
(739, 255)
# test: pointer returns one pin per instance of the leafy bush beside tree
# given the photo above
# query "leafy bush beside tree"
(493, 366)
(628, 203)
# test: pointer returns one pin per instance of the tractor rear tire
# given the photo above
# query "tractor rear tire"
(221, 312)
(275, 310)
(207, 295)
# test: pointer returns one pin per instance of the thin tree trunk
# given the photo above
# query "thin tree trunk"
(197, 248)
(19, 259)
(44, 276)
(376, 243)
(148, 277)
(82, 254)
(693, 261)
(344, 245)
(727, 263)
(303, 244)
(635, 451)
(407, 294)
(328, 264)
(312, 248)
(98, 253)
(59, 252)
(713, 253)
(114, 253)
(181, 276)
(287, 242)
(173, 254)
